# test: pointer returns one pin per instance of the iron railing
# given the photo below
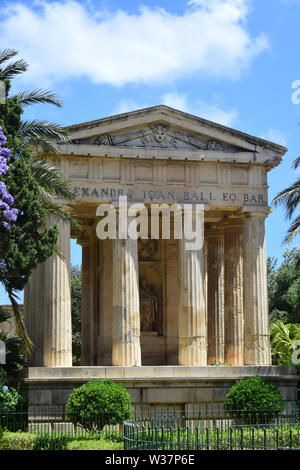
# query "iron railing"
(179, 434)
(193, 426)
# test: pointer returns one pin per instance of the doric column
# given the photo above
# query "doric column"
(126, 348)
(34, 314)
(84, 241)
(234, 321)
(192, 325)
(57, 303)
(215, 300)
(257, 341)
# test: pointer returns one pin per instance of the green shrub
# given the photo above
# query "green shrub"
(13, 410)
(17, 441)
(99, 444)
(51, 441)
(11, 401)
(98, 403)
(254, 401)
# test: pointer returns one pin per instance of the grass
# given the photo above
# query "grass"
(101, 444)
(31, 441)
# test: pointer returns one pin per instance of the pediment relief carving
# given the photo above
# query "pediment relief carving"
(158, 135)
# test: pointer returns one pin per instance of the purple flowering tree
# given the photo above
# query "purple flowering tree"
(7, 213)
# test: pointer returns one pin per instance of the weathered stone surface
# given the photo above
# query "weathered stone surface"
(207, 306)
(257, 340)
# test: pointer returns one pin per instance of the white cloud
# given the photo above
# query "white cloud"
(211, 111)
(65, 39)
(125, 106)
(275, 136)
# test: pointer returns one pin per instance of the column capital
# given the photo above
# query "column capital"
(233, 225)
(83, 239)
(214, 233)
(246, 213)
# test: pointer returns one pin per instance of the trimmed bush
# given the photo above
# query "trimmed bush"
(17, 441)
(99, 403)
(254, 401)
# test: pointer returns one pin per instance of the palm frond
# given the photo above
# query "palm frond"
(296, 163)
(290, 197)
(7, 54)
(38, 133)
(293, 230)
(26, 98)
(51, 180)
(26, 343)
(4, 315)
(58, 212)
(15, 68)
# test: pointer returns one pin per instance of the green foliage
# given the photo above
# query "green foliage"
(11, 401)
(51, 441)
(3, 376)
(284, 287)
(76, 313)
(99, 444)
(290, 199)
(34, 184)
(98, 403)
(282, 343)
(265, 437)
(14, 358)
(17, 441)
(254, 400)
(13, 410)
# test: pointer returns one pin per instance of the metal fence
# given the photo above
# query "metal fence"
(175, 434)
(192, 426)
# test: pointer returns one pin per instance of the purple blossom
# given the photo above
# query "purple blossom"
(2, 137)
(5, 152)
(11, 214)
(6, 199)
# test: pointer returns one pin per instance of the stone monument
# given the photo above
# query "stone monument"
(155, 317)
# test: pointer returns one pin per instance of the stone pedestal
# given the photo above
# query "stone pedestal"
(192, 325)
(257, 341)
(126, 348)
(57, 303)
(215, 297)
(234, 320)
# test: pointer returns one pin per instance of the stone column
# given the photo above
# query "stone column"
(215, 300)
(84, 241)
(257, 340)
(34, 314)
(234, 321)
(126, 348)
(57, 303)
(192, 325)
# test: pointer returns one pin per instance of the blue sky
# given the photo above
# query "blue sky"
(231, 61)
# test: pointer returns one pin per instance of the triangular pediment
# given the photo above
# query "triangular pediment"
(158, 135)
(162, 128)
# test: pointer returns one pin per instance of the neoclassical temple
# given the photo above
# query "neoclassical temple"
(149, 306)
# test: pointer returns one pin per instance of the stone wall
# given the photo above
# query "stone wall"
(48, 388)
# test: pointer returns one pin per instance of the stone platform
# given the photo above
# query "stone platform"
(173, 385)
